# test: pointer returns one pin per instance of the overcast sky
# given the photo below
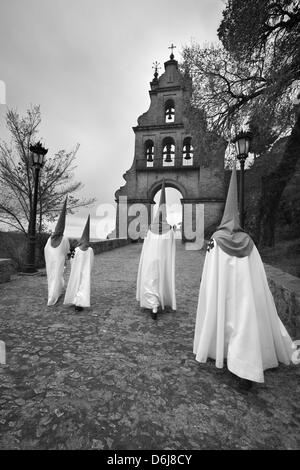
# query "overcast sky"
(88, 63)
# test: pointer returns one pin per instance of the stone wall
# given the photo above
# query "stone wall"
(6, 269)
(286, 292)
(106, 245)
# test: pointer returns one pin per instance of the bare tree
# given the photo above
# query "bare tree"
(17, 178)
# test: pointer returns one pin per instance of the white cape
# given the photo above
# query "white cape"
(156, 273)
(79, 286)
(55, 263)
(237, 317)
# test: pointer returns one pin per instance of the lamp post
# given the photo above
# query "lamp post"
(36, 160)
(242, 144)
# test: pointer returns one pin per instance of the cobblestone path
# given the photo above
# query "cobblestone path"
(112, 378)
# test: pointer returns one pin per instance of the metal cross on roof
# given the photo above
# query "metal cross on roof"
(156, 66)
(172, 47)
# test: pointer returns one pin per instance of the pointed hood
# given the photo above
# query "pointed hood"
(56, 237)
(230, 236)
(84, 241)
(160, 224)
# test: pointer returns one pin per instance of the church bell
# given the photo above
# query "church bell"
(168, 154)
(149, 158)
(170, 114)
(149, 155)
(187, 151)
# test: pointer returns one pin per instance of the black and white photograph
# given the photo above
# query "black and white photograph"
(149, 228)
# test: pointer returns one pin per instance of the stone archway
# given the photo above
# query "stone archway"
(194, 209)
(169, 183)
(173, 208)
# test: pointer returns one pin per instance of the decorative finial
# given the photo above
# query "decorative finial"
(156, 67)
(172, 47)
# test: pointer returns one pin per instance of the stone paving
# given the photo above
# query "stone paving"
(112, 378)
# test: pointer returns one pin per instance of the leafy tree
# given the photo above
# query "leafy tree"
(17, 176)
(259, 30)
(251, 79)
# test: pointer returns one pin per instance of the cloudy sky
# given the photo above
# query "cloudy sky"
(88, 63)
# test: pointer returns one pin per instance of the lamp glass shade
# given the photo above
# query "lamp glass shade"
(242, 146)
(35, 158)
(37, 154)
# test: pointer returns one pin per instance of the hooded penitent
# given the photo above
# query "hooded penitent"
(236, 315)
(79, 285)
(84, 241)
(156, 273)
(230, 237)
(160, 224)
(56, 251)
(56, 237)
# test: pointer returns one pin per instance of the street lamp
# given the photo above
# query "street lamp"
(36, 161)
(242, 144)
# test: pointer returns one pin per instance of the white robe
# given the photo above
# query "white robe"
(237, 318)
(156, 273)
(55, 263)
(79, 286)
